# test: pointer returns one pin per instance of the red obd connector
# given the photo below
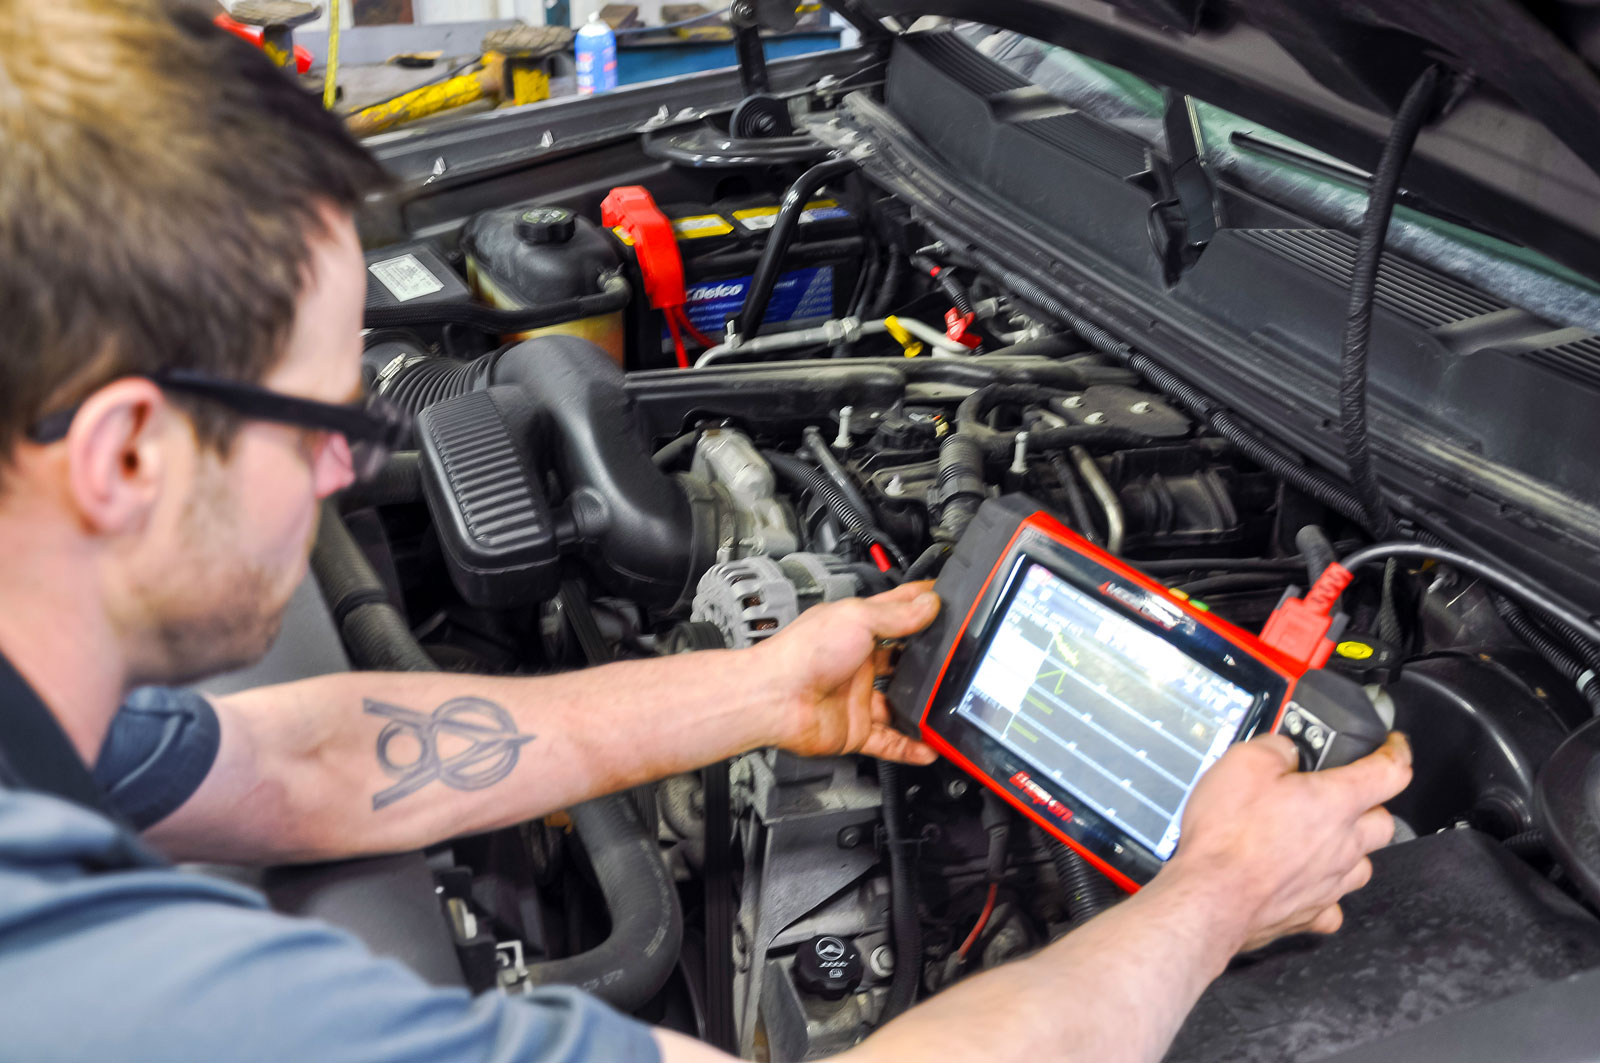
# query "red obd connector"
(1299, 627)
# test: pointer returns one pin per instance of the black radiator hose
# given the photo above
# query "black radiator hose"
(613, 295)
(398, 482)
(639, 955)
(636, 960)
(904, 922)
(747, 325)
(1086, 891)
(375, 635)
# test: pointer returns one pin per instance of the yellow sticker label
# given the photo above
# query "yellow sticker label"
(758, 218)
(1355, 651)
(623, 236)
(701, 225)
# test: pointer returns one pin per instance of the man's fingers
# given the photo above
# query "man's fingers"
(903, 593)
(901, 616)
(1374, 829)
(1328, 921)
(1375, 778)
(1356, 877)
(888, 744)
(1279, 747)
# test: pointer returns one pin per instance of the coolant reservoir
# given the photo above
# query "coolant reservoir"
(531, 256)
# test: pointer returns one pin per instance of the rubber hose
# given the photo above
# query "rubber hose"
(960, 488)
(1546, 646)
(1282, 464)
(426, 381)
(893, 277)
(975, 408)
(904, 921)
(639, 955)
(1356, 340)
(613, 295)
(374, 632)
(397, 483)
(1318, 552)
(952, 288)
(1529, 844)
(670, 454)
(747, 325)
(1389, 627)
(1085, 891)
(1076, 502)
(927, 561)
(807, 476)
(636, 960)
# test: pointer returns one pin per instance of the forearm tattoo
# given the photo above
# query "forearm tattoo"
(481, 740)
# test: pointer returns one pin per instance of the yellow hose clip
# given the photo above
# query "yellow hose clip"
(908, 343)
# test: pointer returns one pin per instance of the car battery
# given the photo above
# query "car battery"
(720, 244)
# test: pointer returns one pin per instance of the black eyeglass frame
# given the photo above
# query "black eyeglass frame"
(374, 427)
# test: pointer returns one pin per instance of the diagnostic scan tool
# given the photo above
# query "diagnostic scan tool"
(1092, 698)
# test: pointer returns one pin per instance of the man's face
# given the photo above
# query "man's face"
(241, 543)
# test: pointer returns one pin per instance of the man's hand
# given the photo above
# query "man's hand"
(823, 666)
(1282, 845)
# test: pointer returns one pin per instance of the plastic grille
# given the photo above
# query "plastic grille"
(1414, 292)
(1091, 141)
(959, 60)
(1579, 360)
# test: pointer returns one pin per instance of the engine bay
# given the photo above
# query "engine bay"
(598, 471)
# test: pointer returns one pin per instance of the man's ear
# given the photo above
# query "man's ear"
(117, 455)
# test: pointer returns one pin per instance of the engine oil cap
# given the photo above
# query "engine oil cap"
(546, 225)
(828, 967)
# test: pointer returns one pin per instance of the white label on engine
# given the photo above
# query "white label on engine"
(406, 278)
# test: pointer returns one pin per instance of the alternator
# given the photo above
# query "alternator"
(754, 597)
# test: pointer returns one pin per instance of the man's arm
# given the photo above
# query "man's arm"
(357, 763)
(1266, 851)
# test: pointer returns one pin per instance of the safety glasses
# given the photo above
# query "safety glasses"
(373, 427)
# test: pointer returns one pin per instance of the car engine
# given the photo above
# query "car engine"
(604, 468)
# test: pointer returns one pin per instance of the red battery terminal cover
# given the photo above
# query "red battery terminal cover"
(632, 209)
(1299, 627)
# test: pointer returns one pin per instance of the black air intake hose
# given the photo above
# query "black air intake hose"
(641, 522)
(748, 324)
(905, 923)
(646, 921)
(613, 295)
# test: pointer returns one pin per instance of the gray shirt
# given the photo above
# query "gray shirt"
(99, 960)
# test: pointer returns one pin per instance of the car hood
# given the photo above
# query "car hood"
(1516, 150)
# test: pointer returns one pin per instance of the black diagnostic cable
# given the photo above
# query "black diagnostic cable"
(1525, 591)
(1353, 421)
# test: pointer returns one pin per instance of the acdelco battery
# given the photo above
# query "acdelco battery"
(720, 244)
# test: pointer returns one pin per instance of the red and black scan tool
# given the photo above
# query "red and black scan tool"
(1092, 698)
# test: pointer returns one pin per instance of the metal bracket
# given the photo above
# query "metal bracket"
(1186, 213)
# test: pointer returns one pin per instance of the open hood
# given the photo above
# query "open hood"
(1516, 150)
